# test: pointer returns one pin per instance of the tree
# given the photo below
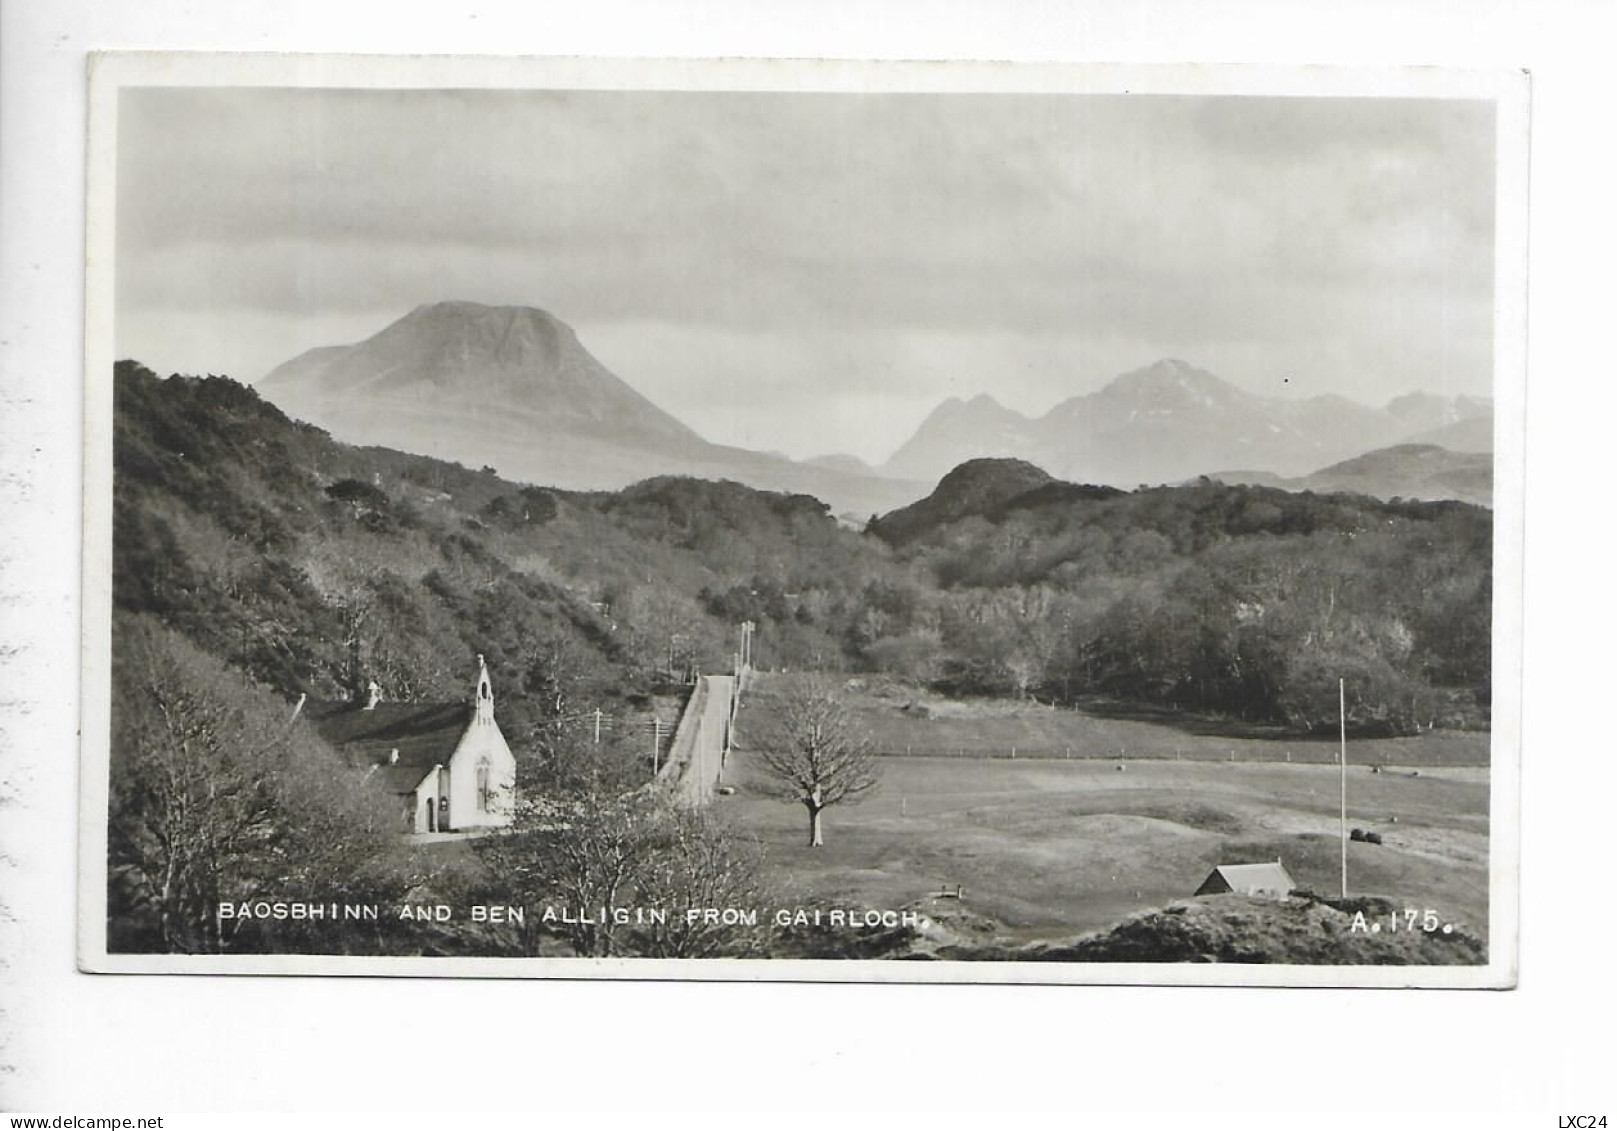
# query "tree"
(816, 752)
(599, 853)
(562, 682)
(218, 796)
(582, 852)
(698, 862)
(581, 838)
(576, 765)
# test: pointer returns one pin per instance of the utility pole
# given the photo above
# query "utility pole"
(1341, 702)
(729, 728)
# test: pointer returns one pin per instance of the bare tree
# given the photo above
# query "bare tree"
(590, 858)
(699, 862)
(217, 796)
(598, 856)
(585, 852)
(816, 751)
(185, 800)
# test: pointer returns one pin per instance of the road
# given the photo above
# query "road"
(697, 755)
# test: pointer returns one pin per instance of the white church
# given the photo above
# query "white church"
(447, 766)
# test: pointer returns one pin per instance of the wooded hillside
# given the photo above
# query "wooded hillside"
(285, 553)
(1235, 600)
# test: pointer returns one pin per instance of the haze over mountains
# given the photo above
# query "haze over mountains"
(513, 388)
(1411, 471)
(1172, 421)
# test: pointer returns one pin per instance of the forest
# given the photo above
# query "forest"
(1242, 602)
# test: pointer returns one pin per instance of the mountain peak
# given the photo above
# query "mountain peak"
(959, 429)
(461, 310)
(504, 360)
(518, 336)
(981, 406)
(1174, 381)
(1171, 420)
(1454, 421)
(512, 387)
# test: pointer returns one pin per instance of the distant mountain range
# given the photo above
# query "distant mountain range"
(1171, 421)
(513, 388)
(1410, 471)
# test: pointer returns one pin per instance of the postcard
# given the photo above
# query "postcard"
(803, 520)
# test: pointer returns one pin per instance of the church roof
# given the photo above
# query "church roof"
(401, 778)
(424, 734)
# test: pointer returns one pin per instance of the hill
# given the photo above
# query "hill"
(1232, 928)
(280, 552)
(1171, 420)
(841, 461)
(1409, 471)
(1471, 435)
(1304, 930)
(974, 487)
(513, 387)
(1227, 599)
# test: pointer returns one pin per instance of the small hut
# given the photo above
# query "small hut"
(1266, 880)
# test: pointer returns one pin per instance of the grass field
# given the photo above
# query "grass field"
(904, 720)
(1052, 847)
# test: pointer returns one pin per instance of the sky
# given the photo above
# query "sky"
(814, 273)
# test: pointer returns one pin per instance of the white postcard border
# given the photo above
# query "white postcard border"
(1508, 90)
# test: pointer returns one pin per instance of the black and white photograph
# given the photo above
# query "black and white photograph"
(810, 521)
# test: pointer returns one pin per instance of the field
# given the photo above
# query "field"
(1055, 846)
(902, 720)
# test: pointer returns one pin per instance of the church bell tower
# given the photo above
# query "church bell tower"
(485, 693)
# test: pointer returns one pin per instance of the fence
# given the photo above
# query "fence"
(1301, 754)
(696, 755)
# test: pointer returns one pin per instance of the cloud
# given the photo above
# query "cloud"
(866, 238)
